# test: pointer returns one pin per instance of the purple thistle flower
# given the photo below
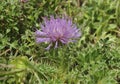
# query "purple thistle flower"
(56, 31)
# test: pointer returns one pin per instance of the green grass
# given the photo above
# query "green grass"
(93, 59)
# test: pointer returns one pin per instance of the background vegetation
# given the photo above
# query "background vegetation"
(94, 59)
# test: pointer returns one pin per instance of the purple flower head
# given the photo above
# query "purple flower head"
(57, 31)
